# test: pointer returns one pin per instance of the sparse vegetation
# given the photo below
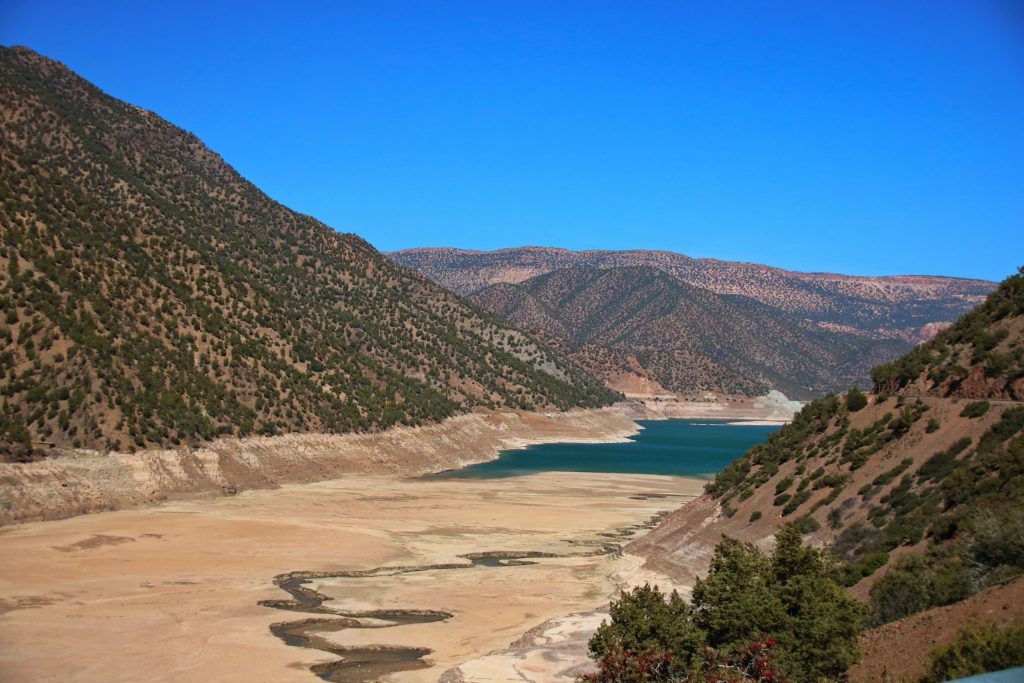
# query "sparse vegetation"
(150, 296)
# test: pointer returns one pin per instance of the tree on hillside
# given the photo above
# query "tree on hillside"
(789, 608)
(855, 399)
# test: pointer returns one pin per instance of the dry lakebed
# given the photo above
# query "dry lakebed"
(402, 578)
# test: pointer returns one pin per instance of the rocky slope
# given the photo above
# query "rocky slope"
(918, 491)
(639, 322)
(152, 296)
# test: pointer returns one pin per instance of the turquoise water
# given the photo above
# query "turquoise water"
(683, 448)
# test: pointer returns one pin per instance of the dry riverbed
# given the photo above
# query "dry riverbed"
(174, 592)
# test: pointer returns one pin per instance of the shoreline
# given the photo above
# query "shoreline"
(86, 482)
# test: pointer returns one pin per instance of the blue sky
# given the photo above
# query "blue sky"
(871, 137)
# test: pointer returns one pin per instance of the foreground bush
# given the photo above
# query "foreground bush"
(751, 663)
(792, 599)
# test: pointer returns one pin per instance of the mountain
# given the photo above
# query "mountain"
(733, 327)
(152, 296)
(903, 307)
(918, 489)
(637, 324)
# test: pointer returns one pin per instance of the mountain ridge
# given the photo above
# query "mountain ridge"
(152, 296)
(682, 337)
(866, 302)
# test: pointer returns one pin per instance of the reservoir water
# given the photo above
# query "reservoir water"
(683, 448)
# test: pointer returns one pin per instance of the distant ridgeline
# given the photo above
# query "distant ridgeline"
(651, 321)
(919, 489)
(150, 296)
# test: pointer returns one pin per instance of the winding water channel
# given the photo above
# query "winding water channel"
(371, 662)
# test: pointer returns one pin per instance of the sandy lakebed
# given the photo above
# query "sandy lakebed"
(174, 592)
(271, 559)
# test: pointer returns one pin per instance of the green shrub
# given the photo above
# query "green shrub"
(796, 501)
(917, 584)
(975, 409)
(647, 620)
(932, 426)
(754, 516)
(807, 524)
(791, 598)
(976, 650)
(855, 399)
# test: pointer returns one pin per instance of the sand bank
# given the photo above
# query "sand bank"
(172, 593)
(82, 482)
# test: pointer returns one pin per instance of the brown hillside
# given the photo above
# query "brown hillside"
(639, 322)
(152, 296)
(920, 496)
(904, 307)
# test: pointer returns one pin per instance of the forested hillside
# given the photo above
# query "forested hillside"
(639, 322)
(151, 296)
(900, 307)
(917, 490)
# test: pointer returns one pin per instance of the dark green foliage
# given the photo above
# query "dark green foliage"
(796, 501)
(933, 426)
(887, 476)
(865, 566)
(783, 485)
(975, 409)
(754, 516)
(940, 465)
(977, 650)
(646, 620)
(855, 399)
(793, 598)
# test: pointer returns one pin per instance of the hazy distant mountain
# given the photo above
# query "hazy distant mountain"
(151, 295)
(904, 307)
(630, 324)
(703, 324)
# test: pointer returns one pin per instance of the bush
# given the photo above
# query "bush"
(933, 426)
(754, 516)
(977, 650)
(783, 485)
(807, 524)
(792, 599)
(975, 409)
(918, 583)
(645, 620)
(855, 399)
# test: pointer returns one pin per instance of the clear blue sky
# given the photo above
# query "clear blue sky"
(866, 137)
